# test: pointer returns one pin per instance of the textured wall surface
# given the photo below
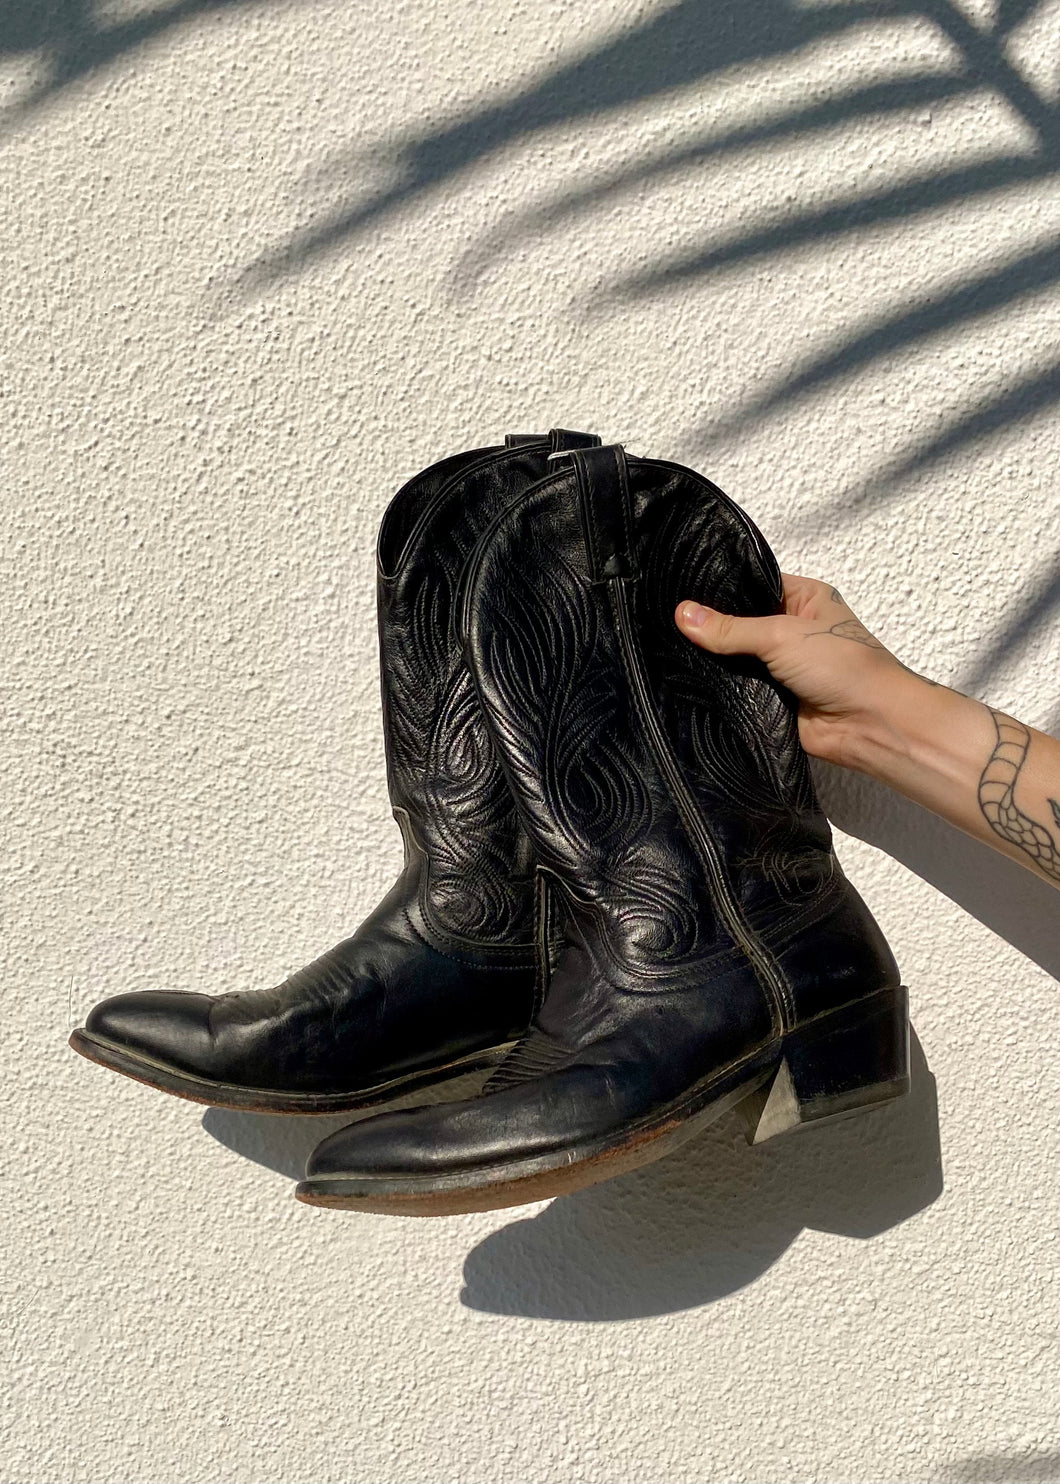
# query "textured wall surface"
(261, 262)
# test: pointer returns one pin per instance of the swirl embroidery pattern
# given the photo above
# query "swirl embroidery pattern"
(444, 769)
(550, 674)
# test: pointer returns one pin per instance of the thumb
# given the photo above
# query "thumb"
(723, 634)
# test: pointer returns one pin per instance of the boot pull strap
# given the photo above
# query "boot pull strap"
(559, 439)
(606, 510)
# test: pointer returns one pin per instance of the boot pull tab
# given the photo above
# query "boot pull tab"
(558, 439)
(606, 510)
(562, 440)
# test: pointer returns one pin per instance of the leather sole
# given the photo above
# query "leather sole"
(846, 1061)
(267, 1100)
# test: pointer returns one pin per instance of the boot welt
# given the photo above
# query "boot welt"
(271, 1100)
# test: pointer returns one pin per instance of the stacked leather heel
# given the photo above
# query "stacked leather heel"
(619, 887)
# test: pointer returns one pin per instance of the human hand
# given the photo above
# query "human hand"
(984, 771)
(847, 683)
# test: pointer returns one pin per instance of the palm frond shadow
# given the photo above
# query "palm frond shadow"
(1038, 601)
(1018, 402)
(1026, 275)
(875, 101)
(904, 202)
(685, 44)
(70, 40)
(690, 42)
(1011, 13)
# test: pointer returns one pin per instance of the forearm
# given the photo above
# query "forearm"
(859, 706)
(985, 772)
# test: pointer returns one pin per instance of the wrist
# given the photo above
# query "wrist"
(915, 729)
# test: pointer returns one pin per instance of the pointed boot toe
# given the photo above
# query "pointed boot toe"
(205, 1048)
(456, 1157)
(150, 1030)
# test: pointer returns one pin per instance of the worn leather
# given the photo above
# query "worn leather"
(444, 966)
(625, 746)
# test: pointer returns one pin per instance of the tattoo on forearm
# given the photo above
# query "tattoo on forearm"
(837, 597)
(855, 630)
(997, 787)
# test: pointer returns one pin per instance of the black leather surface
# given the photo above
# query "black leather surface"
(624, 746)
(444, 966)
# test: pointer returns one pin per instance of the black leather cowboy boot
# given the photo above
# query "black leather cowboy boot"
(716, 955)
(440, 977)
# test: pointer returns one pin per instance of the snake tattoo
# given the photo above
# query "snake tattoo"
(997, 787)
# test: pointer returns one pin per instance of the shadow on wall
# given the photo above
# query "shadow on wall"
(712, 1217)
(1003, 896)
(715, 1215)
(66, 40)
(682, 46)
(999, 1468)
(707, 1220)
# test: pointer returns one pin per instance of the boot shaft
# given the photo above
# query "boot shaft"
(663, 787)
(464, 843)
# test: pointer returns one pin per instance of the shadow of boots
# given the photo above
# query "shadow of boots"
(713, 1216)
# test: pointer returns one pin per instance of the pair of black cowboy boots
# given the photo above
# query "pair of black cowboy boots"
(618, 883)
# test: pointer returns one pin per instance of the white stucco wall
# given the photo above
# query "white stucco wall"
(812, 251)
